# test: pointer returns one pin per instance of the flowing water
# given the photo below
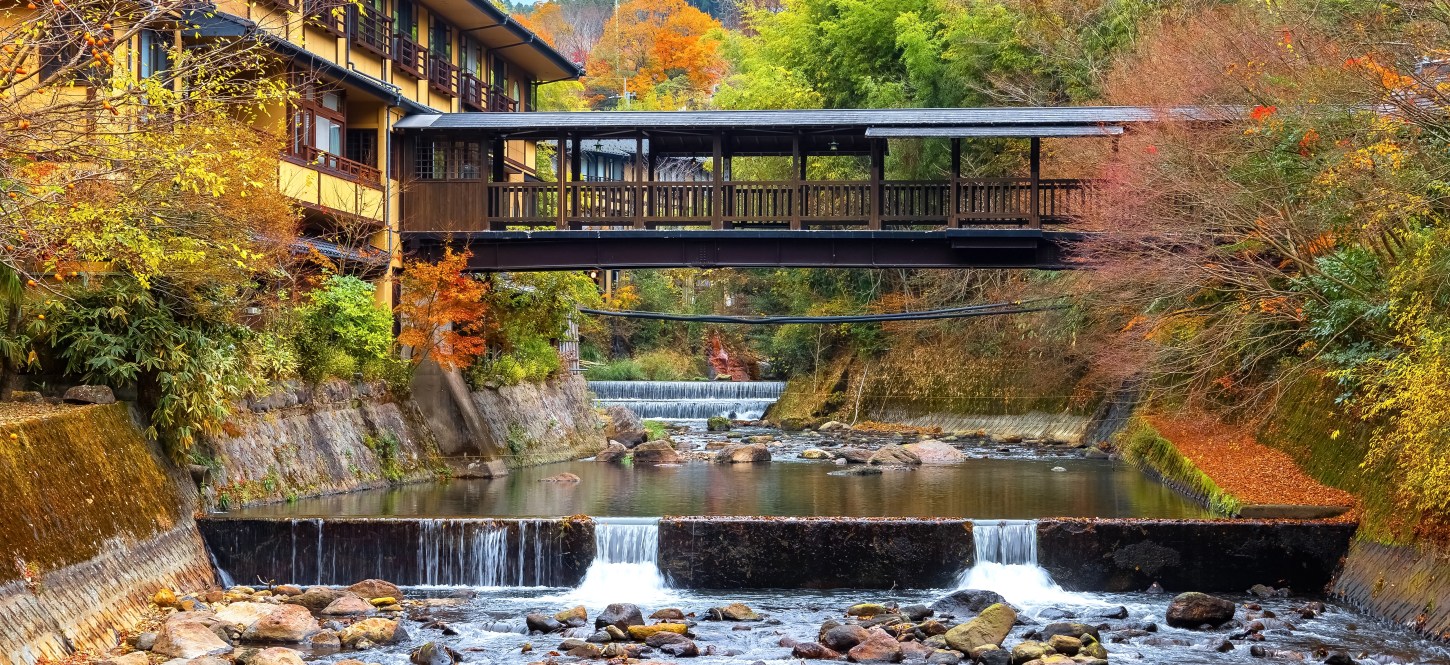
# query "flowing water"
(689, 400)
(1006, 562)
(626, 563)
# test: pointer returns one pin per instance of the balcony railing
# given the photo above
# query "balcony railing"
(462, 206)
(442, 75)
(410, 58)
(322, 160)
(479, 96)
(371, 30)
(330, 15)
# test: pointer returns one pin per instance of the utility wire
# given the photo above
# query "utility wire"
(990, 309)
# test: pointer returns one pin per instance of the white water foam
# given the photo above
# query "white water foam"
(1007, 564)
(689, 400)
(626, 564)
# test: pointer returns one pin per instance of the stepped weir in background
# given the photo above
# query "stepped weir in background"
(739, 400)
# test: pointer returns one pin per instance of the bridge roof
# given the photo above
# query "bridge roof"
(1044, 121)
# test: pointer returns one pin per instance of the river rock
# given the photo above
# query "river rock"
(854, 455)
(655, 452)
(574, 617)
(866, 610)
(734, 612)
(1194, 609)
(932, 451)
(990, 627)
(371, 589)
(944, 657)
(289, 623)
(317, 598)
(967, 602)
(842, 638)
(642, 633)
(614, 452)
(376, 630)
(620, 615)
(624, 426)
(287, 590)
(133, 658)
(276, 656)
(916, 612)
(673, 644)
(1092, 648)
(816, 453)
(433, 653)
(1069, 628)
(86, 394)
(744, 454)
(1030, 650)
(189, 639)
(542, 623)
(326, 640)
(894, 455)
(878, 647)
(813, 651)
(833, 426)
(350, 605)
(565, 477)
(244, 614)
(668, 614)
(1065, 645)
(992, 655)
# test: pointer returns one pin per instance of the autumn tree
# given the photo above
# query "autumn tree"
(665, 53)
(442, 308)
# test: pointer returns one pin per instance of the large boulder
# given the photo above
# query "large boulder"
(854, 455)
(276, 656)
(349, 605)
(1068, 628)
(620, 615)
(317, 598)
(1030, 650)
(625, 426)
(673, 644)
(967, 602)
(746, 454)
(1194, 609)
(89, 395)
(614, 452)
(574, 617)
(842, 638)
(990, 627)
(894, 455)
(642, 633)
(932, 451)
(371, 589)
(813, 651)
(655, 452)
(189, 639)
(433, 653)
(375, 630)
(542, 623)
(878, 647)
(244, 614)
(133, 658)
(734, 612)
(289, 623)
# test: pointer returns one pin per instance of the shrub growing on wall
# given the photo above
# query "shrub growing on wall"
(344, 331)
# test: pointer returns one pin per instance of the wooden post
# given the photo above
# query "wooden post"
(1035, 217)
(728, 198)
(562, 177)
(878, 168)
(639, 185)
(798, 172)
(717, 164)
(496, 193)
(483, 175)
(576, 162)
(955, 196)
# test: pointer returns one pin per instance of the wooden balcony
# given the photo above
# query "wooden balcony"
(479, 96)
(442, 76)
(467, 206)
(358, 172)
(409, 57)
(371, 30)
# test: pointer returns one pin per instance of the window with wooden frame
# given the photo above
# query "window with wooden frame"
(372, 28)
(442, 73)
(319, 121)
(408, 54)
(445, 159)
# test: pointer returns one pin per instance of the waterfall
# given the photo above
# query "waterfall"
(486, 554)
(626, 563)
(689, 400)
(1006, 552)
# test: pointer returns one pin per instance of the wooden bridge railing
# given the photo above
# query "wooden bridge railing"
(457, 206)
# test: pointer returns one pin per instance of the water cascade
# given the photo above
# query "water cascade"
(1006, 562)
(741, 400)
(626, 563)
(486, 554)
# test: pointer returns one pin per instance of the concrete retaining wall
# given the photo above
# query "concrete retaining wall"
(814, 553)
(1403, 584)
(1191, 555)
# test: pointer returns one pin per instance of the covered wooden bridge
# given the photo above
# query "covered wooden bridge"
(455, 189)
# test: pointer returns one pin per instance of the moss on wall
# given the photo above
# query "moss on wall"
(76, 481)
(1143, 446)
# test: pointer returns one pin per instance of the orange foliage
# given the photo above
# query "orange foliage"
(650, 42)
(442, 309)
(547, 21)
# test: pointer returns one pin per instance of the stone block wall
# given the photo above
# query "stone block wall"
(540, 423)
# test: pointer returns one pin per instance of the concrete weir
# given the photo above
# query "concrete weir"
(781, 552)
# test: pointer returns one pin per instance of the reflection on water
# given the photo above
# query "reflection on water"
(979, 488)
